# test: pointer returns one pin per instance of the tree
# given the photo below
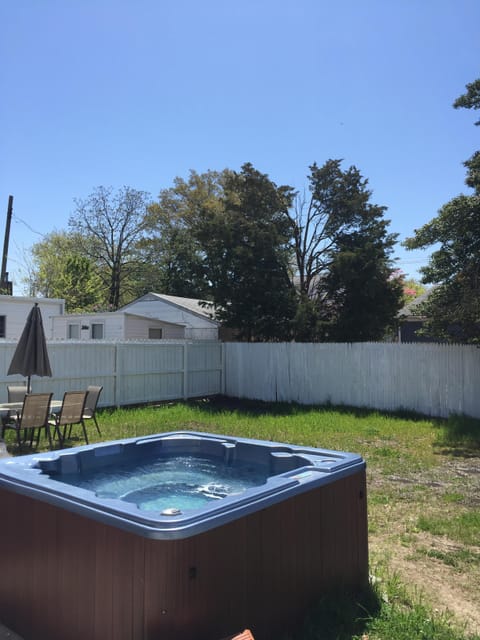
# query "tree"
(61, 271)
(336, 200)
(246, 247)
(470, 99)
(453, 306)
(171, 249)
(361, 299)
(342, 259)
(225, 237)
(412, 289)
(110, 226)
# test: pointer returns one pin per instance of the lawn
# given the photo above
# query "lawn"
(424, 507)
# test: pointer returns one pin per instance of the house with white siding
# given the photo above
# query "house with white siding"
(15, 309)
(152, 316)
(195, 316)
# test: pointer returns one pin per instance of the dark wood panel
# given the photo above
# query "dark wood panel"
(65, 576)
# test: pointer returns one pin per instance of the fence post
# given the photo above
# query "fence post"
(115, 375)
(185, 371)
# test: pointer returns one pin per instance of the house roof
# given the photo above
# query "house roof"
(31, 299)
(201, 308)
(410, 310)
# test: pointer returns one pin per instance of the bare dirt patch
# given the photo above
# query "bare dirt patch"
(443, 571)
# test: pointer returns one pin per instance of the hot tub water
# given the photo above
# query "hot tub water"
(176, 483)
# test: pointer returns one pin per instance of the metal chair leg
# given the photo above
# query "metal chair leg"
(84, 431)
(96, 424)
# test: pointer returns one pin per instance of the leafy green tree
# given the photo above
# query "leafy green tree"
(411, 287)
(225, 237)
(336, 199)
(470, 99)
(59, 270)
(82, 287)
(342, 259)
(453, 307)
(171, 249)
(246, 246)
(361, 299)
(109, 227)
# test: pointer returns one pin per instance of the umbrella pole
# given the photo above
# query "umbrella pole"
(29, 384)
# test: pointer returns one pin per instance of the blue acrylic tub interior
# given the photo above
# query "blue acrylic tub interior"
(183, 483)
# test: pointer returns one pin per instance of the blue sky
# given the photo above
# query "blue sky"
(137, 92)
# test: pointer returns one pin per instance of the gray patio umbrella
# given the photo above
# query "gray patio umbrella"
(31, 355)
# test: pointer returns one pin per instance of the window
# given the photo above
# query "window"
(73, 331)
(3, 324)
(155, 333)
(97, 331)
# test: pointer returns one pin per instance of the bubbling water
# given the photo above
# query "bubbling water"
(173, 483)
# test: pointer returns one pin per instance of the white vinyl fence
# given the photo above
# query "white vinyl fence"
(433, 379)
(130, 372)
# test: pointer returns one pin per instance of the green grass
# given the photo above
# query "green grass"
(456, 558)
(386, 611)
(408, 495)
(464, 528)
(370, 433)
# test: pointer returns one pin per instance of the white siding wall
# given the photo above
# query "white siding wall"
(126, 326)
(136, 328)
(16, 310)
(113, 325)
(157, 308)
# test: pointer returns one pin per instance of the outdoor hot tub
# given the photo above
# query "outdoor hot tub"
(177, 536)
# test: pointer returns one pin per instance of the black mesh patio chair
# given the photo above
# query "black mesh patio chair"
(33, 415)
(90, 410)
(71, 413)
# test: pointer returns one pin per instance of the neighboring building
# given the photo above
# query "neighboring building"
(410, 320)
(115, 325)
(195, 316)
(15, 309)
(152, 316)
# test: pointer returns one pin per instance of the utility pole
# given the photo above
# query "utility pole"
(5, 285)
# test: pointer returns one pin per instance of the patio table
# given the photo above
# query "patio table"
(55, 405)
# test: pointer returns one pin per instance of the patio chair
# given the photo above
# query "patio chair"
(71, 412)
(90, 410)
(33, 415)
(16, 393)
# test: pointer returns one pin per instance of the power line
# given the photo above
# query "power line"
(38, 233)
(418, 261)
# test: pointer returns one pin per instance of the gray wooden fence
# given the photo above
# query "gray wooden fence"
(432, 379)
(130, 372)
